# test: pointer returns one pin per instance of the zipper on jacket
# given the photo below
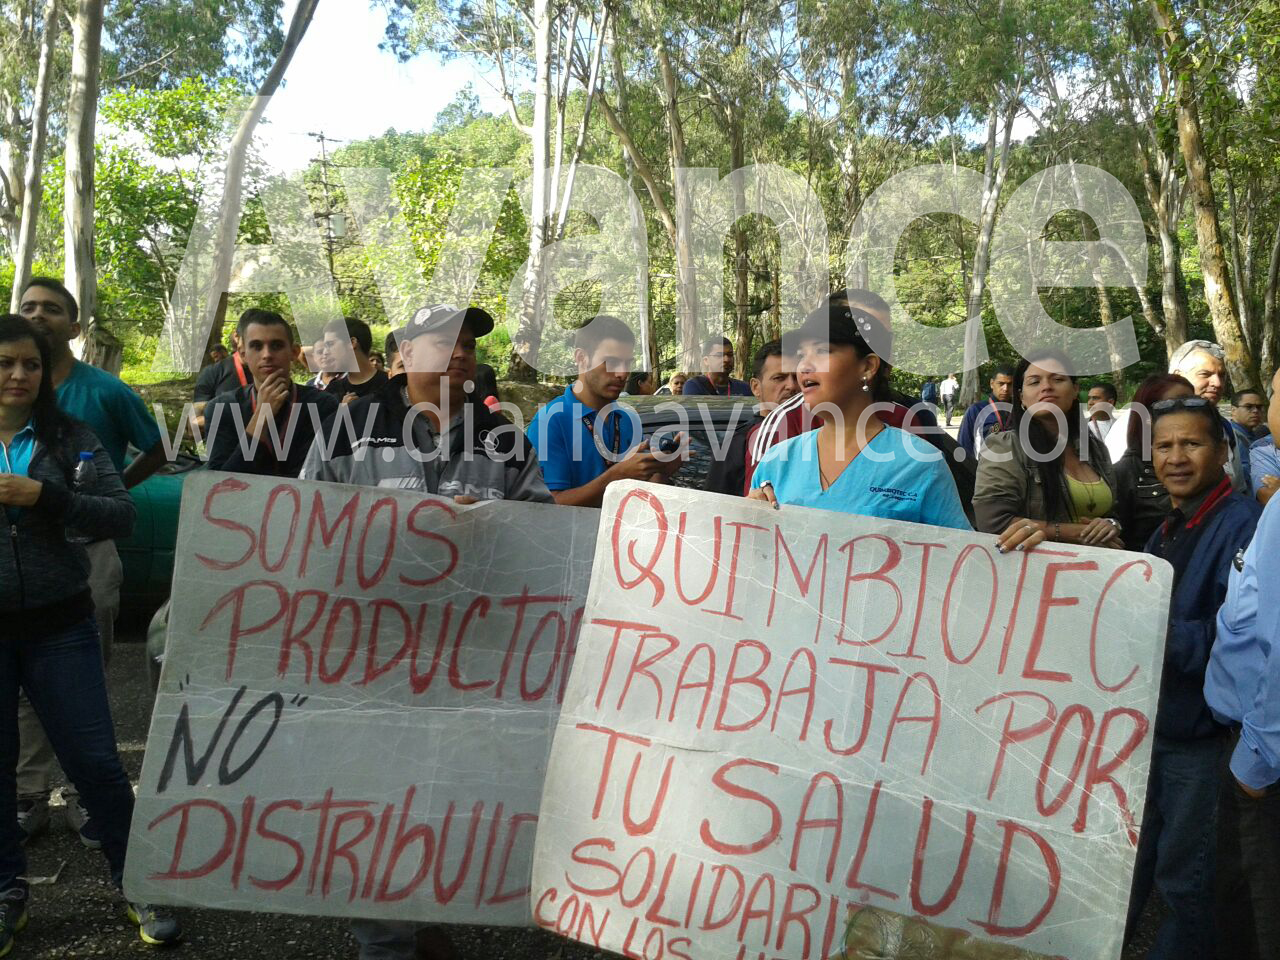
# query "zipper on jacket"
(17, 560)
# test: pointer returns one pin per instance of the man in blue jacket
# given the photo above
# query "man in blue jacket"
(987, 416)
(1208, 526)
(1242, 686)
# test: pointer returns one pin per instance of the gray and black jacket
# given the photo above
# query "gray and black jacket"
(378, 441)
(44, 579)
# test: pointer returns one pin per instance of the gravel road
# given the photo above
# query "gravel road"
(79, 915)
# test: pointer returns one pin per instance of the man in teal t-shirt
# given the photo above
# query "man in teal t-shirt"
(118, 417)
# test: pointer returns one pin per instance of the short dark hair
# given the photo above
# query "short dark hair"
(1004, 370)
(1205, 411)
(771, 349)
(600, 328)
(264, 318)
(73, 309)
(711, 343)
(359, 331)
(1241, 394)
(1110, 388)
(390, 345)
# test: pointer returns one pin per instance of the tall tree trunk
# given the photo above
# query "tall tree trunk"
(12, 134)
(654, 356)
(33, 181)
(1241, 364)
(1172, 292)
(995, 170)
(1239, 257)
(533, 301)
(741, 262)
(1163, 187)
(1270, 318)
(686, 267)
(78, 203)
(232, 188)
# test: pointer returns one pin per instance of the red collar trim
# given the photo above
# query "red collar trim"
(1221, 491)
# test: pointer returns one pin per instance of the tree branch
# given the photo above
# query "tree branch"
(142, 68)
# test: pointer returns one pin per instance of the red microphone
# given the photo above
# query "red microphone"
(492, 404)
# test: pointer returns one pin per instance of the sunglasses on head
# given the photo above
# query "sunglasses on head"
(1179, 403)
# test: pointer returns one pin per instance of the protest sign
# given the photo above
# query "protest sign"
(794, 733)
(357, 701)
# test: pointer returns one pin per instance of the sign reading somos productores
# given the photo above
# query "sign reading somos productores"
(357, 703)
(796, 733)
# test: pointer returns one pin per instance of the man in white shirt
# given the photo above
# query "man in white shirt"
(950, 389)
(1101, 406)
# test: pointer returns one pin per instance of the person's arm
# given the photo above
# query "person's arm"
(143, 431)
(1264, 470)
(206, 384)
(941, 499)
(1256, 761)
(318, 465)
(527, 483)
(106, 512)
(1267, 488)
(1125, 506)
(1000, 491)
(964, 436)
(145, 465)
(640, 465)
(231, 446)
(1190, 639)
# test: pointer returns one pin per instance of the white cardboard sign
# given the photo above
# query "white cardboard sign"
(793, 733)
(357, 701)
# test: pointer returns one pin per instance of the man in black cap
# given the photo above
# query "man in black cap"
(424, 433)
(445, 446)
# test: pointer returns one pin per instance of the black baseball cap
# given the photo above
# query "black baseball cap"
(440, 316)
(837, 322)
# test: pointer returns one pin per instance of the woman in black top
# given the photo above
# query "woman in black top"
(57, 485)
(1142, 502)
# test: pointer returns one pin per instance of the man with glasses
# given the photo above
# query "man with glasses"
(717, 378)
(1248, 414)
(1207, 527)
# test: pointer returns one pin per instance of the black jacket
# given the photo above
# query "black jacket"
(228, 415)
(376, 442)
(44, 579)
(1142, 502)
(216, 379)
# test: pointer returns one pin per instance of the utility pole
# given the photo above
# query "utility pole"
(335, 222)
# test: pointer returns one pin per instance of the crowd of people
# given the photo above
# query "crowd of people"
(1169, 475)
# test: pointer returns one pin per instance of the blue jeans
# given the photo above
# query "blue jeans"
(1176, 847)
(63, 678)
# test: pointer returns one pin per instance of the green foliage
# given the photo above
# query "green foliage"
(162, 43)
(845, 93)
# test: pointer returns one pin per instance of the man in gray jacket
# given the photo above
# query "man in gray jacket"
(419, 433)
